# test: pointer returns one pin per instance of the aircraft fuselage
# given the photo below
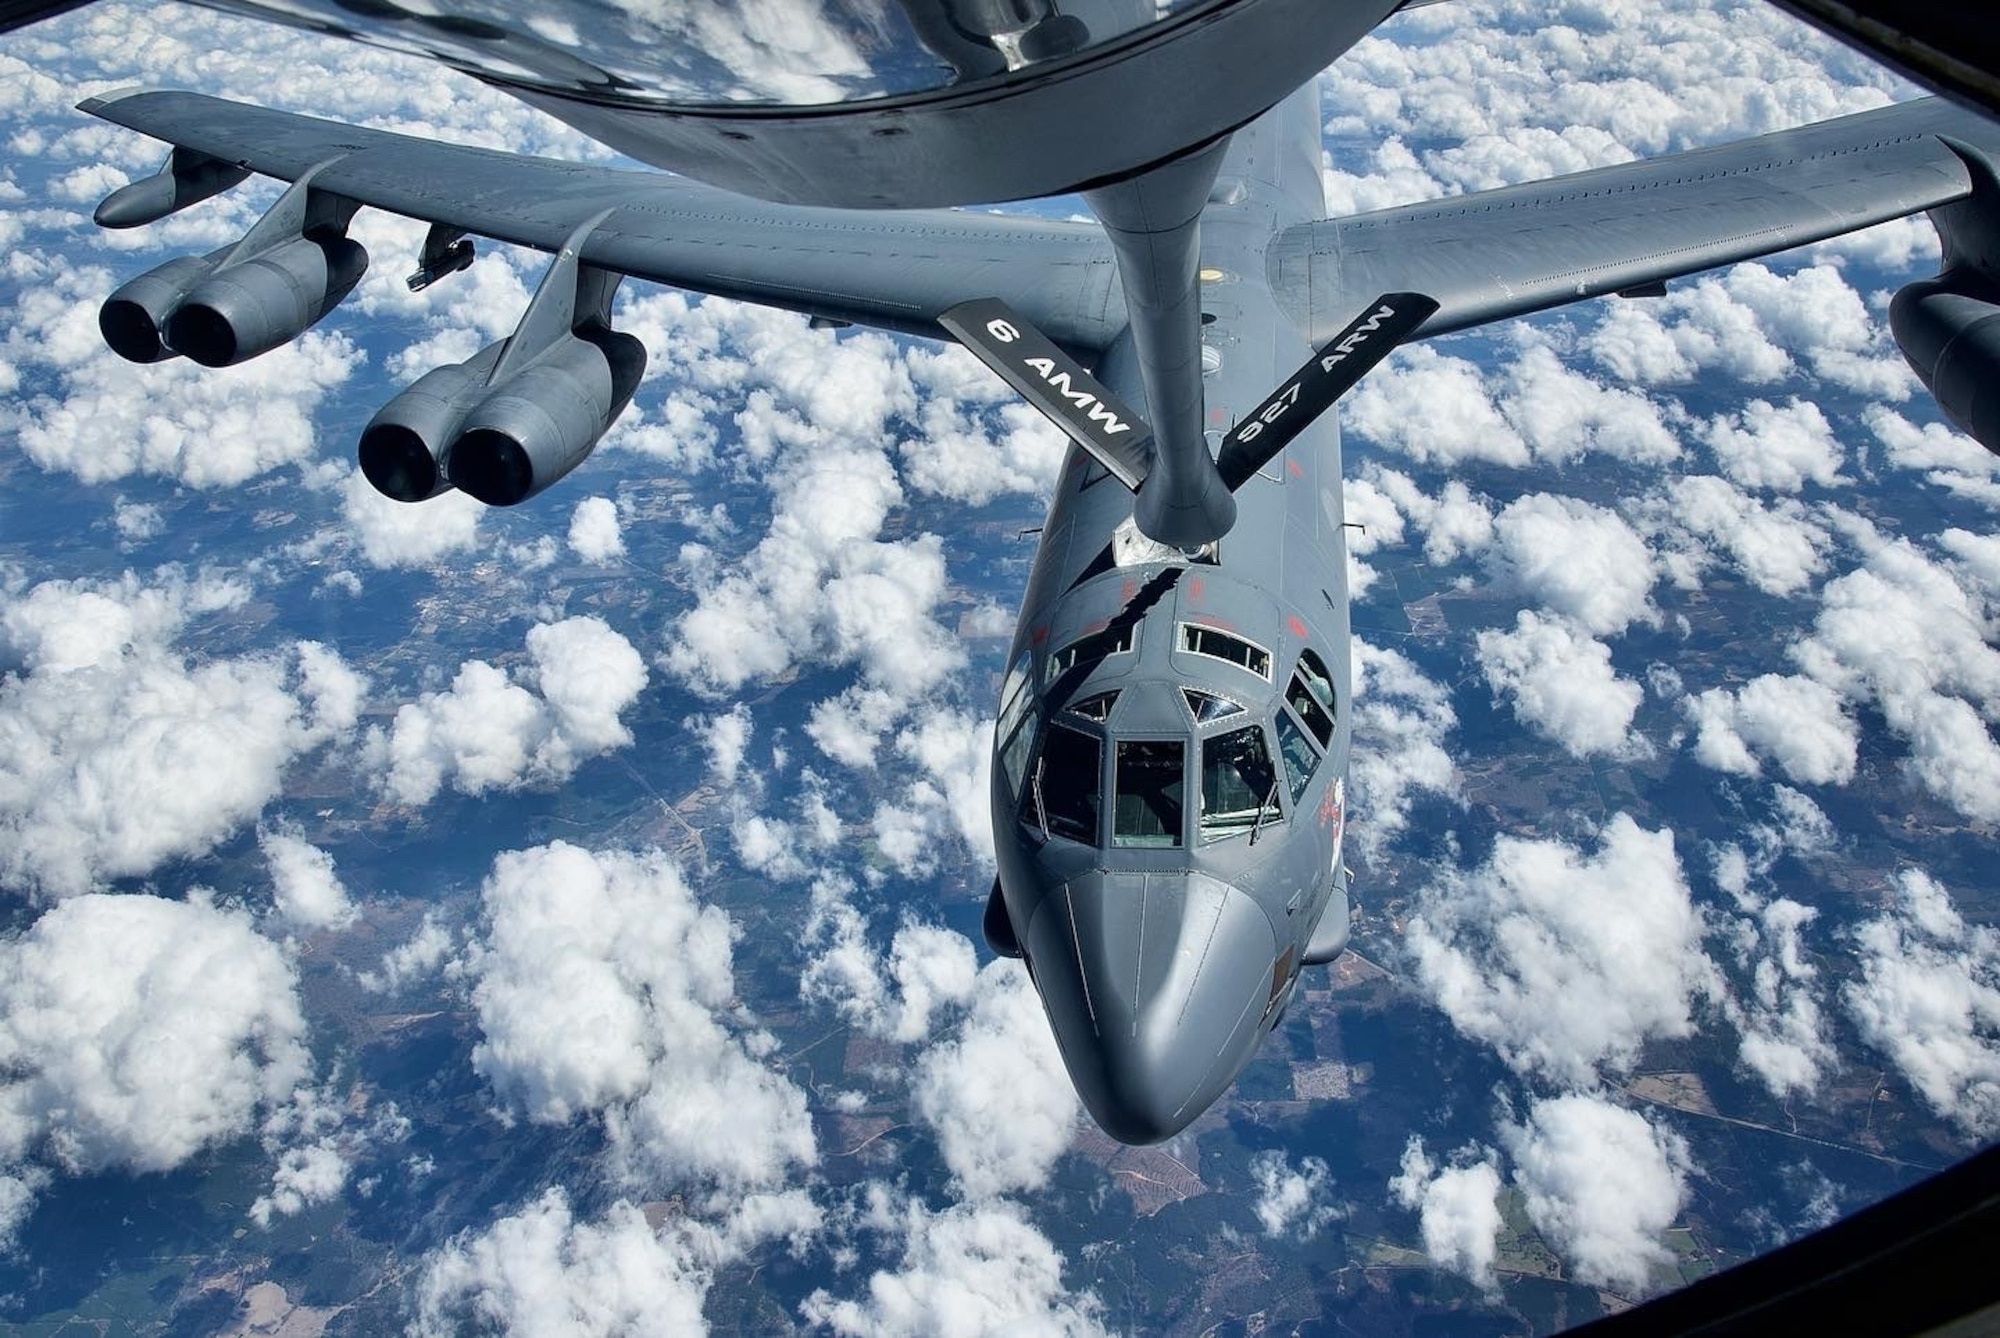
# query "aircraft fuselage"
(1169, 768)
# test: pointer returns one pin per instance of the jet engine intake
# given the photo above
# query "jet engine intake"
(1948, 329)
(254, 305)
(539, 424)
(402, 445)
(132, 318)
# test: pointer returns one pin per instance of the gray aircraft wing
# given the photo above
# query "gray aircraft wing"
(897, 270)
(1494, 254)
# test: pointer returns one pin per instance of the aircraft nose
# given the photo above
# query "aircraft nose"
(1154, 984)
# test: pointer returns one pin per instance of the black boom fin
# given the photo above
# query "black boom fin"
(1055, 383)
(1311, 391)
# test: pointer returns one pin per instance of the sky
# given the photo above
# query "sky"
(231, 671)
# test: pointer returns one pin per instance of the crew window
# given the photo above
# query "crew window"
(1300, 756)
(1311, 695)
(1062, 797)
(1147, 811)
(1087, 649)
(1220, 645)
(1095, 708)
(1239, 788)
(1207, 707)
(1015, 729)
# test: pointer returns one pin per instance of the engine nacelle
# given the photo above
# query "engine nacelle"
(540, 423)
(132, 317)
(1949, 331)
(402, 445)
(272, 298)
(220, 314)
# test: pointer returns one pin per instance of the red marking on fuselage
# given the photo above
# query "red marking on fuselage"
(1040, 636)
(1298, 627)
(1197, 589)
(1296, 471)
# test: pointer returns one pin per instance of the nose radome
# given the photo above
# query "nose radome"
(1152, 983)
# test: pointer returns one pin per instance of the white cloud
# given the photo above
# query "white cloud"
(106, 419)
(1929, 997)
(605, 987)
(1401, 720)
(308, 1175)
(996, 1094)
(594, 535)
(118, 753)
(977, 1268)
(1565, 963)
(1796, 722)
(1578, 559)
(727, 734)
(1433, 408)
(1562, 684)
(1784, 1035)
(541, 1271)
(1782, 449)
(1292, 1202)
(408, 534)
(136, 1032)
(1563, 415)
(1903, 635)
(928, 970)
(1778, 547)
(1458, 1207)
(306, 889)
(489, 732)
(1602, 1184)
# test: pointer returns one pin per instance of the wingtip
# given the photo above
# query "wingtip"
(95, 104)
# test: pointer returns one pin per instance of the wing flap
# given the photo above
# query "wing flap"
(1495, 254)
(897, 270)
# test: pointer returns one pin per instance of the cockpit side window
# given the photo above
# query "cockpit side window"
(1150, 785)
(1063, 792)
(1220, 645)
(1300, 756)
(1089, 649)
(1015, 729)
(1310, 693)
(1239, 788)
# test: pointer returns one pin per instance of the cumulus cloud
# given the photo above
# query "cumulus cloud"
(1435, 409)
(1454, 522)
(1563, 415)
(1458, 1208)
(1578, 559)
(1780, 448)
(1401, 721)
(971, 1268)
(1565, 962)
(407, 534)
(306, 890)
(1292, 1202)
(1705, 520)
(1929, 997)
(1602, 1184)
(136, 1032)
(1902, 634)
(120, 751)
(594, 534)
(1562, 684)
(996, 1094)
(541, 1270)
(928, 969)
(489, 732)
(1784, 1039)
(604, 987)
(1796, 722)
(104, 419)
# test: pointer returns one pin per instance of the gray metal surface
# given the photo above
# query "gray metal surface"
(894, 270)
(1508, 252)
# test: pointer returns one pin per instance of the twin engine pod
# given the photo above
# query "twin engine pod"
(502, 434)
(220, 311)
(1949, 331)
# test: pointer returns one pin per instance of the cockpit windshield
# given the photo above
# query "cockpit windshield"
(1147, 811)
(1063, 797)
(1239, 788)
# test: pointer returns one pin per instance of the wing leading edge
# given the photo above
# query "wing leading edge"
(1495, 254)
(895, 270)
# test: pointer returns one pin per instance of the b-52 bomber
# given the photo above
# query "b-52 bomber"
(1169, 780)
